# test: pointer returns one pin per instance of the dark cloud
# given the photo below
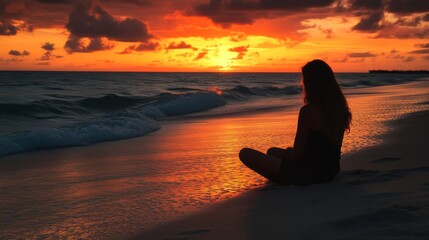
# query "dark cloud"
(372, 17)
(401, 57)
(3, 5)
(408, 6)
(361, 55)
(421, 51)
(56, 1)
(286, 5)
(367, 4)
(393, 31)
(91, 20)
(75, 44)
(228, 12)
(10, 11)
(127, 50)
(422, 45)
(180, 45)
(413, 22)
(18, 53)
(219, 13)
(46, 56)
(149, 46)
(142, 3)
(7, 28)
(48, 46)
(200, 55)
(370, 23)
(241, 50)
(136, 2)
(290, 5)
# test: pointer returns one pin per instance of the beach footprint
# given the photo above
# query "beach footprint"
(396, 221)
(365, 176)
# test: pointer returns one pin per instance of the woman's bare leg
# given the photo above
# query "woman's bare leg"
(266, 165)
(280, 152)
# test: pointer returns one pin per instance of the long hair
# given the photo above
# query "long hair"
(321, 88)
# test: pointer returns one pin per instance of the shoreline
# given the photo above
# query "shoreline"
(376, 188)
(252, 107)
(117, 188)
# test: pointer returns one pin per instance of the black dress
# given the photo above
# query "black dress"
(321, 162)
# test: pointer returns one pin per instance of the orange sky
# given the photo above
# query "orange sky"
(213, 35)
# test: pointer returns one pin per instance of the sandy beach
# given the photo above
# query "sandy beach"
(186, 182)
(381, 193)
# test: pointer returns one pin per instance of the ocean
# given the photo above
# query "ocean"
(41, 110)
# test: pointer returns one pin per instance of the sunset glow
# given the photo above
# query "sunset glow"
(212, 35)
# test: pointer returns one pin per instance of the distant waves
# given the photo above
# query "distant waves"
(48, 110)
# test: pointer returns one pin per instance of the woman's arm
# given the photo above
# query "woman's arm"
(304, 127)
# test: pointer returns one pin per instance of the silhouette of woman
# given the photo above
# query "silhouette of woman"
(315, 156)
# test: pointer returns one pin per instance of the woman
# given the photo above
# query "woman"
(315, 156)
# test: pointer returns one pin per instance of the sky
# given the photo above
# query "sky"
(213, 35)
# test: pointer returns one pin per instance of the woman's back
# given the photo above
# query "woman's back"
(319, 123)
(321, 151)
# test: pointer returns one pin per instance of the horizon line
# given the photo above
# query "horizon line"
(221, 72)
